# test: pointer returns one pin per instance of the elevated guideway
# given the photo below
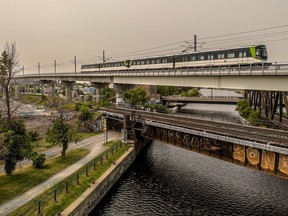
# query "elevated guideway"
(274, 78)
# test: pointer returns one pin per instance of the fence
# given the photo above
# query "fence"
(39, 205)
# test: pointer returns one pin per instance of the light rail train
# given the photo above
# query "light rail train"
(233, 58)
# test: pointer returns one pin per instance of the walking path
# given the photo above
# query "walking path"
(97, 148)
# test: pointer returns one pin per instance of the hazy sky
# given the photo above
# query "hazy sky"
(62, 29)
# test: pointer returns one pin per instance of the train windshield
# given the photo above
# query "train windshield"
(261, 52)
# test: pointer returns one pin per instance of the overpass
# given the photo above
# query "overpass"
(266, 87)
(274, 78)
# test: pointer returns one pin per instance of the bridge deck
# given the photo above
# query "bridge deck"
(262, 138)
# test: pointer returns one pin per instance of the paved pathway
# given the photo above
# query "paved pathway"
(96, 149)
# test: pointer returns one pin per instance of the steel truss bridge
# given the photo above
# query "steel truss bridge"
(257, 148)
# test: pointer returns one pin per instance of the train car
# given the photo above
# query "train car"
(252, 55)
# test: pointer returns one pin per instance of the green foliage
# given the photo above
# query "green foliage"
(183, 91)
(85, 113)
(253, 117)
(107, 95)
(33, 135)
(247, 112)
(242, 104)
(43, 98)
(78, 106)
(60, 133)
(38, 160)
(27, 177)
(136, 96)
(159, 108)
(194, 92)
(16, 144)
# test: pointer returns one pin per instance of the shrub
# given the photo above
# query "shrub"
(38, 160)
(33, 135)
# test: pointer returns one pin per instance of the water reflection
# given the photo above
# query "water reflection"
(167, 180)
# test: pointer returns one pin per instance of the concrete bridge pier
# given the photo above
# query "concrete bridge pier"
(34, 89)
(68, 88)
(99, 87)
(17, 92)
(53, 92)
(120, 89)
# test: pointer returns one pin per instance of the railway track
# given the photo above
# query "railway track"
(261, 135)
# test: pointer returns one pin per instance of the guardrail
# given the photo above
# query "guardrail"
(252, 69)
(39, 205)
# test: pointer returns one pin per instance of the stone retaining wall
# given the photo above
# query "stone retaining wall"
(93, 195)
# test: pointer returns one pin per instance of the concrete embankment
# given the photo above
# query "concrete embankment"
(93, 195)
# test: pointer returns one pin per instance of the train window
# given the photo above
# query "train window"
(153, 61)
(258, 52)
(138, 62)
(193, 58)
(242, 54)
(221, 55)
(201, 57)
(142, 62)
(165, 60)
(185, 58)
(231, 55)
(210, 57)
(133, 62)
(159, 61)
(147, 61)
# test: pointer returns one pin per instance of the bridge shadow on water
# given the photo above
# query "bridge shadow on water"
(167, 180)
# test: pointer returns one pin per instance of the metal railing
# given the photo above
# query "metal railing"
(241, 69)
(74, 179)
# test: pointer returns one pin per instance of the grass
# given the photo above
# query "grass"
(41, 145)
(90, 134)
(75, 190)
(28, 177)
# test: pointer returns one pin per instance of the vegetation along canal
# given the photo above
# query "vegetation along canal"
(166, 180)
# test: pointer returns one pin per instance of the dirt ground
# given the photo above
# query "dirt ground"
(39, 124)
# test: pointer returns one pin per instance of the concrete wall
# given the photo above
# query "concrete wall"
(93, 195)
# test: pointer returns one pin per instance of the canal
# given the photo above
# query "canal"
(167, 180)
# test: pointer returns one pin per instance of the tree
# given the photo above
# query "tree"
(136, 96)
(14, 142)
(85, 113)
(9, 66)
(61, 133)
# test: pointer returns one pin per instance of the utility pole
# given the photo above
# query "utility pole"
(75, 64)
(55, 66)
(38, 67)
(23, 69)
(103, 55)
(195, 43)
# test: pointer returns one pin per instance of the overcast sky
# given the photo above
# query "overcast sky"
(62, 29)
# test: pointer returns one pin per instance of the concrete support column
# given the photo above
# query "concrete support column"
(27, 89)
(68, 88)
(53, 89)
(42, 89)
(99, 87)
(17, 93)
(120, 89)
(34, 88)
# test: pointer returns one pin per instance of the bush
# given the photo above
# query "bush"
(253, 117)
(33, 135)
(38, 160)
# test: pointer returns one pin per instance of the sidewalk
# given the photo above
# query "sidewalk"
(12, 205)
